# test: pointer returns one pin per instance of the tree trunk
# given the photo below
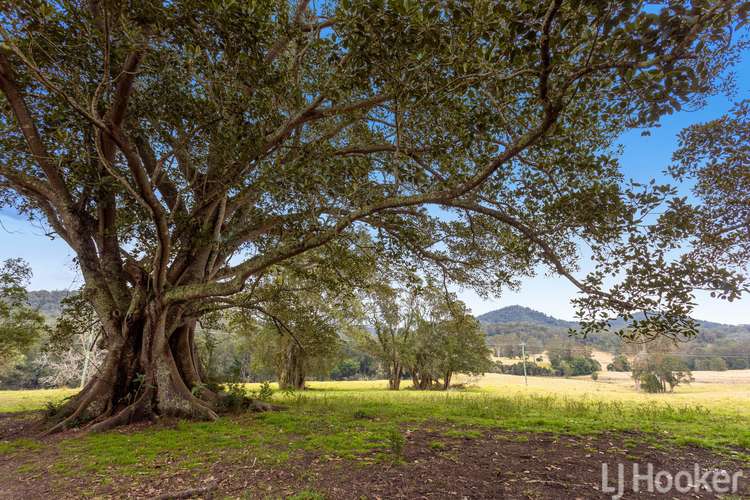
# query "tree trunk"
(149, 371)
(292, 367)
(88, 347)
(394, 377)
(447, 381)
(425, 381)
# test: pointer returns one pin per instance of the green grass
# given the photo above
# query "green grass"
(7, 447)
(363, 422)
(437, 445)
(462, 433)
(307, 495)
(15, 401)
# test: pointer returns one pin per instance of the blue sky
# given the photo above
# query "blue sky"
(643, 158)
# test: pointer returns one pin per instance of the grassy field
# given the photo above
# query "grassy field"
(364, 422)
(725, 392)
(15, 401)
(714, 410)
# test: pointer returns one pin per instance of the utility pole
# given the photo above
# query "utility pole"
(523, 354)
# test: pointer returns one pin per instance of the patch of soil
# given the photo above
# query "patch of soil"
(518, 465)
(20, 424)
(437, 461)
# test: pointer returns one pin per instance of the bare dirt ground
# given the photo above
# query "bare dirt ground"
(437, 461)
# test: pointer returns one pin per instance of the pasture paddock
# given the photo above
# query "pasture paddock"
(495, 437)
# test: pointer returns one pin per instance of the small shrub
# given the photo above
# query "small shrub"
(52, 408)
(396, 442)
(265, 393)
(595, 376)
(620, 363)
(437, 445)
(235, 397)
(197, 389)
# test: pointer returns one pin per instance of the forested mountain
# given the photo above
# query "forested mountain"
(521, 314)
(48, 301)
(506, 328)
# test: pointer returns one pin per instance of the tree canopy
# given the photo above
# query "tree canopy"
(447, 340)
(716, 156)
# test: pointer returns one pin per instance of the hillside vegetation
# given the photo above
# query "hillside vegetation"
(508, 327)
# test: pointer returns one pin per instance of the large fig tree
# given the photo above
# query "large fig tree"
(183, 148)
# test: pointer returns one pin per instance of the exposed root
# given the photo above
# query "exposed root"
(261, 406)
(80, 404)
(198, 411)
(143, 409)
(139, 410)
(208, 396)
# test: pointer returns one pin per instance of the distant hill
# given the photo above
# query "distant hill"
(47, 301)
(520, 314)
(514, 324)
(619, 323)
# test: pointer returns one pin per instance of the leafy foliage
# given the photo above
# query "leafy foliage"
(620, 363)
(260, 131)
(447, 340)
(659, 372)
(716, 156)
(265, 392)
(396, 443)
(532, 369)
(568, 361)
(426, 332)
(20, 325)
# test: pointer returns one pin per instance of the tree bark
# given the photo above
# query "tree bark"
(425, 381)
(292, 367)
(149, 371)
(394, 377)
(447, 380)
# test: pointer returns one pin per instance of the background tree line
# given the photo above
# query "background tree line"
(301, 325)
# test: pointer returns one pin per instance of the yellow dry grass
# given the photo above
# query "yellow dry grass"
(11, 401)
(726, 392)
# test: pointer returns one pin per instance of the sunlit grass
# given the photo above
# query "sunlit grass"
(13, 401)
(356, 420)
(729, 397)
(721, 392)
